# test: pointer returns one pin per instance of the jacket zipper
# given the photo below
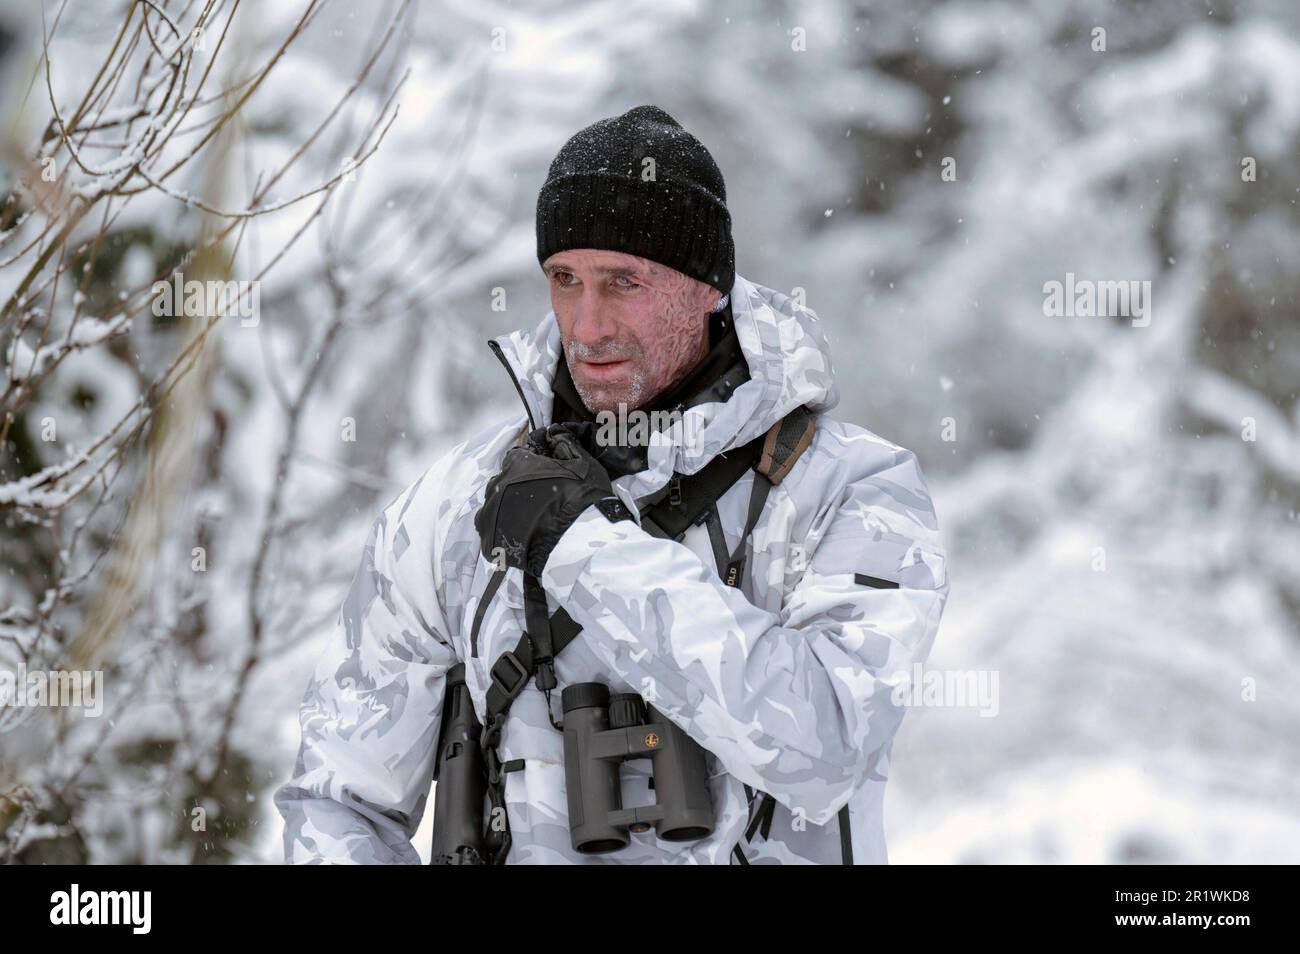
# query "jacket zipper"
(496, 350)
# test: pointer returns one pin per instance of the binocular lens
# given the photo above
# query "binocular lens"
(688, 833)
(603, 731)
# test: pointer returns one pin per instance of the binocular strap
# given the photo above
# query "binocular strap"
(534, 655)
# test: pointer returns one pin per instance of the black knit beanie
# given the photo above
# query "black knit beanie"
(601, 193)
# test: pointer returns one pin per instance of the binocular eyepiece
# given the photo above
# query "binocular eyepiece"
(603, 731)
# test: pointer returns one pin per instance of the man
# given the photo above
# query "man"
(784, 676)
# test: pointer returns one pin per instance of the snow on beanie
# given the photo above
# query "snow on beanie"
(640, 184)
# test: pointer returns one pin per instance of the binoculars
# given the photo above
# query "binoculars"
(603, 731)
(600, 733)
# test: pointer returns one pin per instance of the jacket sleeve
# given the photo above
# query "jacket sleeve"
(372, 710)
(798, 703)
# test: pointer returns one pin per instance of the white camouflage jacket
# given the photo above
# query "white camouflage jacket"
(787, 682)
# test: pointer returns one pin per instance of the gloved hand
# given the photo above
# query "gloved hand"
(542, 488)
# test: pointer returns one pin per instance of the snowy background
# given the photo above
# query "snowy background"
(1121, 504)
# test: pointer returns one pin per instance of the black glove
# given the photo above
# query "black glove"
(542, 488)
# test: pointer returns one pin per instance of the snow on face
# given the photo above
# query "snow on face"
(630, 327)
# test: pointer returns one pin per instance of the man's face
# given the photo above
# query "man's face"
(630, 327)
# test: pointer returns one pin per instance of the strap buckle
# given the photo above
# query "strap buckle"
(491, 736)
(675, 491)
(513, 667)
(546, 674)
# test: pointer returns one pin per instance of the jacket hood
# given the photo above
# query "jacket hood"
(789, 364)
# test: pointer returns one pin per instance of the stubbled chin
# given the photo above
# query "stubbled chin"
(600, 396)
(602, 400)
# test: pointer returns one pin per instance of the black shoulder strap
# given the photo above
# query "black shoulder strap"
(687, 500)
